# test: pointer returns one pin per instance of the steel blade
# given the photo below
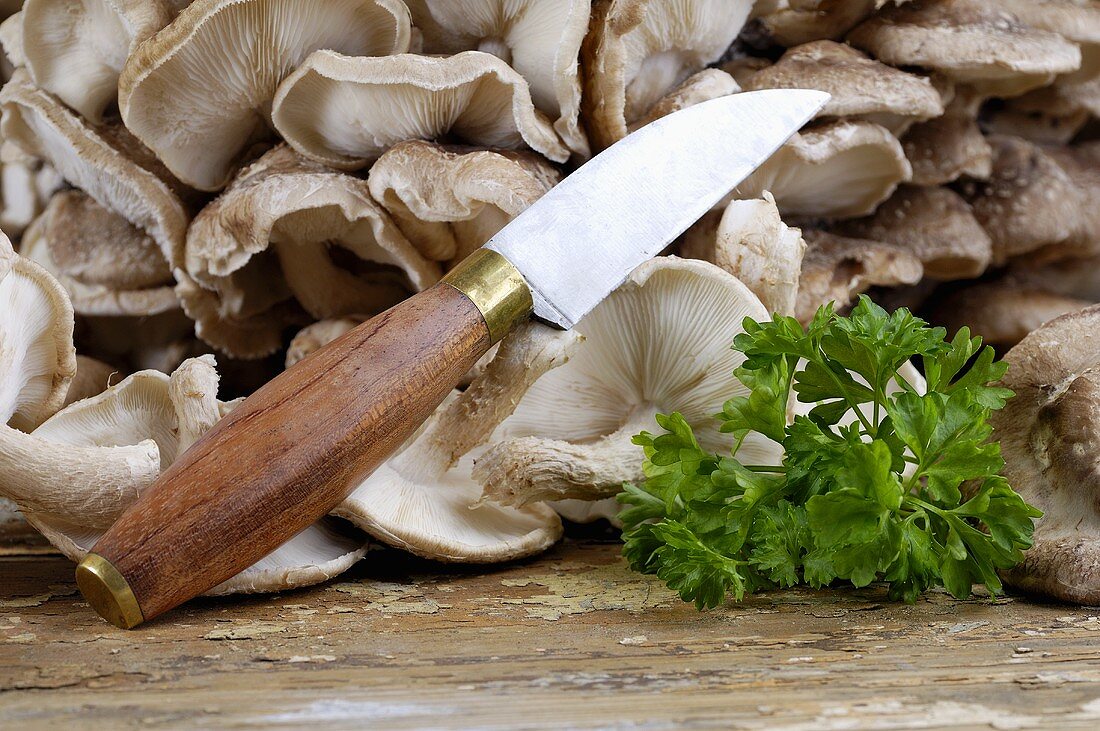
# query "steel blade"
(580, 241)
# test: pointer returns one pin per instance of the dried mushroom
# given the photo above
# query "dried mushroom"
(346, 111)
(638, 50)
(291, 235)
(1003, 311)
(974, 42)
(934, 224)
(107, 265)
(25, 186)
(751, 242)
(837, 170)
(802, 21)
(706, 85)
(423, 498)
(75, 49)
(659, 343)
(949, 147)
(101, 162)
(1050, 436)
(860, 87)
(200, 103)
(92, 378)
(37, 358)
(838, 268)
(541, 40)
(449, 201)
(1031, 205)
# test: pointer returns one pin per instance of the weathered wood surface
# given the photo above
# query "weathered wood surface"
(572, 640)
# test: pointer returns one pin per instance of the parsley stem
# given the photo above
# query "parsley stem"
(765, 468)
(847, 398)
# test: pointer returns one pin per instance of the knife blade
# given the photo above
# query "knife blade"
(668, 188)
(294, 449)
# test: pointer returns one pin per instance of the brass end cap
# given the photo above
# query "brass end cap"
(108, 592)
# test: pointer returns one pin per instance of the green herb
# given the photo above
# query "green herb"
(878, 481)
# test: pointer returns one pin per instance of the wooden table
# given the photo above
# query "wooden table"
(571, 640)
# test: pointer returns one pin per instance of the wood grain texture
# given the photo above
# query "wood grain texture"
(570, 641)
(294, 449)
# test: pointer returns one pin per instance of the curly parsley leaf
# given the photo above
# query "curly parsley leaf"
(882, 479)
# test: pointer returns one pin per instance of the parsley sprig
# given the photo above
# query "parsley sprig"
(877, 482)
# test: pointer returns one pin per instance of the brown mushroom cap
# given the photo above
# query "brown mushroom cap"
(1050, 438)
(860, 87)
(346, 111)
(1031, 205)
(934, 224)
(124, 275)
(944, 149)
(803, 21)
(637, 50)
(972, 41)
(287, 233)
(1002, 311)
(541, 40)
(199, 92)
(837, 268)
(1042, 116)
(449, 201)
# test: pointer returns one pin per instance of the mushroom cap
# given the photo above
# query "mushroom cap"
(659, 343)
(1002, 311)
(449, 201)
(751, 242)
(92, 378)
(838, 170)
(37, 357)
(90, 160)
(947, 148)
(346, 111)
(934, 224)
(1030, 204)
(972, 41)
(540, 40)
(11, 38)
(803, 21)
(637, 50)
(837, 268)
(1050, 438)
(51, 236)
(75, 49)
(706, 85)
(199, 101)
(424, 499)
(290, 229)
(859, 87)
(161, 416)
(1076, 20)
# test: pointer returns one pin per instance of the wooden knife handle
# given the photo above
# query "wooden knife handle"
(294, 449)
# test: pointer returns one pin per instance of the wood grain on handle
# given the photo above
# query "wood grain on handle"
(293, 450)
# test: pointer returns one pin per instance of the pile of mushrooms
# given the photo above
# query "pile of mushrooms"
(200, 194)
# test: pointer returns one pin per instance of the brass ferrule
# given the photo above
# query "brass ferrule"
(108, 592)
(495, 287)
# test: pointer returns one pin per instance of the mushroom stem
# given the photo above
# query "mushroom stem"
(470, 418)
(530, 469)
(193, 388)
(98, 482)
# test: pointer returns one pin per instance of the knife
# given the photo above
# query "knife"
(300, 444)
